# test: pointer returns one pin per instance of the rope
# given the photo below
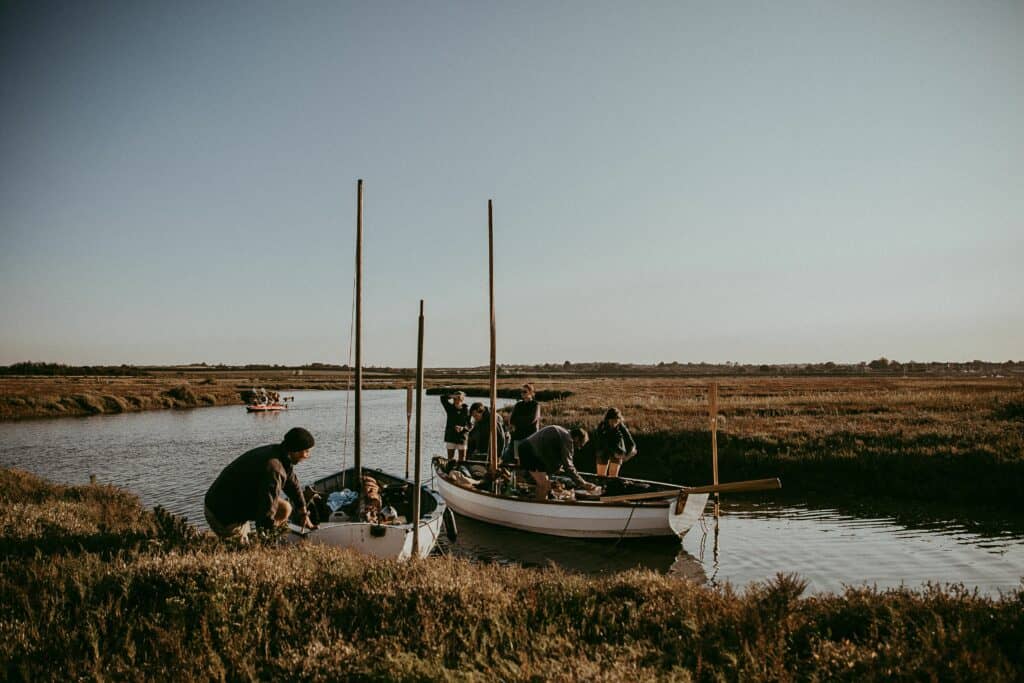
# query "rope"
(622, 535)
(348, 382)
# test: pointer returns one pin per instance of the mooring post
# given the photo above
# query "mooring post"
(713, 412)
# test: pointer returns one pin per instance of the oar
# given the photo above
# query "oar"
(730, 487)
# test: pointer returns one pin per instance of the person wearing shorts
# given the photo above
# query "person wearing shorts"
(613, 444)
(549, 450)
(457, 425)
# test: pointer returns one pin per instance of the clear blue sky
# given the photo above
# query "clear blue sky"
(753, 182)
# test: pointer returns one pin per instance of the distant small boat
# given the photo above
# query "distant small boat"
(265, 407)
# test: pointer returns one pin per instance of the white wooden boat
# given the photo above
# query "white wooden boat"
(580, 518)
(421, 511)
(391, 541)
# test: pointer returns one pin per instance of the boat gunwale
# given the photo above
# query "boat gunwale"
(620, 504)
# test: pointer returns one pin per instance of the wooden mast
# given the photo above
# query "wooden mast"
(408, 420)
(357, 441)
(419, 434)
(492, 447)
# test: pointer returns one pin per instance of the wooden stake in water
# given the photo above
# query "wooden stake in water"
(713, 412)
(419, 435)
(408, 422)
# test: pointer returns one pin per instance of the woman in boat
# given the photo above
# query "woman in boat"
(457, 426)
(480, 434)
(525, 418)
(550, 450)
(613, 444)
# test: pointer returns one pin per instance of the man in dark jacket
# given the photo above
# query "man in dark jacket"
(249, 489)
(480, 434)
(549, 450)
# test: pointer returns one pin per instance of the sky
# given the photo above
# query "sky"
(754, 182)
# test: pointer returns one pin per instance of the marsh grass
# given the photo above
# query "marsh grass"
(181, 606)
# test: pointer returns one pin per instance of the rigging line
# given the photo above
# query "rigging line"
(348, 380)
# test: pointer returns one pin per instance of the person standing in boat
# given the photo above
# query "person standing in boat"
(249, 489)
(457, 426)
(480, 434)
(613, 444)
(549, 450)
(525, 417)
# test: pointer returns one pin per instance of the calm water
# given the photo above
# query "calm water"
(169, 458)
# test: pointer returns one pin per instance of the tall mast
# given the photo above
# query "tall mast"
(492, 447)
(419, 435)
(359, 338)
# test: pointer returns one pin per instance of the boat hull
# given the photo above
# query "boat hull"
(388, 541)
(576, 519)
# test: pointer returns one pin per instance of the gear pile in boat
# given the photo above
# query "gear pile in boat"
(515, 483)
(390, 504)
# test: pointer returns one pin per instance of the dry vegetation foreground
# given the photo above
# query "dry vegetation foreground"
(92, 587)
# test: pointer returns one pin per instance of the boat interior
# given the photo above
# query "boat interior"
(518, 484)
(387, 499)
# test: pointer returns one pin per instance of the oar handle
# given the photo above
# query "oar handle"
(737, 486)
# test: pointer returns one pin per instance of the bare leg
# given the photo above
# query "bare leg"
(602, 469)
(543, 484)
(451, 453)
(282, 512)
(462, 453)
(613, 469)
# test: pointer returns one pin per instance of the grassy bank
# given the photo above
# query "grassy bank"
(93, 587)
(935, 439)
(942, 439)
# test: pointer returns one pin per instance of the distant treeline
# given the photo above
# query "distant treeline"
(878, 366)
(59, 369)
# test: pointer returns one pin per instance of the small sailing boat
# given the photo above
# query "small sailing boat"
(369, 510)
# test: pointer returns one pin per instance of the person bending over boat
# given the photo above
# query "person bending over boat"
(458, 424)
(525, 417)
(547, 451)
(613, 444)
(249, 489)
(480, 433)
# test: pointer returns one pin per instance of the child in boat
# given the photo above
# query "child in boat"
(457, 426)
(613, 444)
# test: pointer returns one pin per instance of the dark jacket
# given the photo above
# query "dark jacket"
(479, 436)
(553, 446)
(525, 419)
(249, 487)
(617, 441)
(457, 417)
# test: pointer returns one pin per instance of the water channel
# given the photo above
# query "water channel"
(169, 458)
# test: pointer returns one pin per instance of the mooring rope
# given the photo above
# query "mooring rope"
(622, 535)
